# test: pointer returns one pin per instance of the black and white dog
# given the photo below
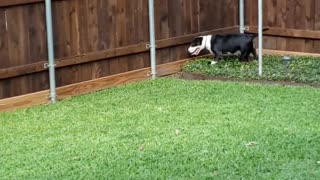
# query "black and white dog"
(223, 44)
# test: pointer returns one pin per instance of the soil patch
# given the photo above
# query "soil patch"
(197, 76)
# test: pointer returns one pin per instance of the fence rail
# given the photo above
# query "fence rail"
(294, 25)
(98, 38)
(107, 54)
(6, 3)
(285, 32)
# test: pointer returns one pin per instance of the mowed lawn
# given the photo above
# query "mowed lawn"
(167, 129)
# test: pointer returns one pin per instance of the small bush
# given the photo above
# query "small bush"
(300, 69)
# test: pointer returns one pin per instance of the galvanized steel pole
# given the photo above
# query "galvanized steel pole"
(241, 16)
(260, 27)
(51, 63)
(152, 44)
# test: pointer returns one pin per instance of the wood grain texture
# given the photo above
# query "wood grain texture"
(5, 3)
(112, 53)
(4, 55)
(293, 24)
(290, 53)
(98, 38)
(285, 32)
(24, 101)
(88, 86)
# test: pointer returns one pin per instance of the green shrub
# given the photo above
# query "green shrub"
(301, 69)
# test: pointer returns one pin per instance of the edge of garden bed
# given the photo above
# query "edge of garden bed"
(197, 76)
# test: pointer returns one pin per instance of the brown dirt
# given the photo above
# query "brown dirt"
(195, 76)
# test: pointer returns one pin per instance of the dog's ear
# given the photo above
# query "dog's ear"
(194, 38)
(197, 41)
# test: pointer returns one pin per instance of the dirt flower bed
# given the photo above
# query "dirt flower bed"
(304, 70)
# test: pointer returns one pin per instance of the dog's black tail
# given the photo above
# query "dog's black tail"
(254, 35)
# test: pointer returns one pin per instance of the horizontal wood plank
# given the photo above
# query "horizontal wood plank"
(96, 56)
(102, 83)
(42, 97)
(24, 101)
(5, 3)
(289, 53)
(284, 32)
(181, 40)
(22, 70)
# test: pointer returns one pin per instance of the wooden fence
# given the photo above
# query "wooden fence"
(101, 43)
(294, 24)
(98, 38)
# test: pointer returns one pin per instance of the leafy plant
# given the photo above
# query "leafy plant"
(300, 69)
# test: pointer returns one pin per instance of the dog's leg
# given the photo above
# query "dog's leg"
(242, 55)
(246, 56)
(241, 58)
(218, 56)
(253, 51)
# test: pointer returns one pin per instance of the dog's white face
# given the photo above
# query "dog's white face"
(197, 45)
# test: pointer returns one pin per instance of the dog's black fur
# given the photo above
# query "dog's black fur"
(229, 43)
(221, 44)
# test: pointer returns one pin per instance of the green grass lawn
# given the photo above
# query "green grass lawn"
(167, 129)
(301, 69)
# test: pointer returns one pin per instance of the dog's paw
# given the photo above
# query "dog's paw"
(213, 62)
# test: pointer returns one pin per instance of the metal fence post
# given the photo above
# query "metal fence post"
(241, 16)
(51, 61)
(260, 25)
(152, 45)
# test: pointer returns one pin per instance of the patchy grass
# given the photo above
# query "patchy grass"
(167, 129)
(301, 69)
